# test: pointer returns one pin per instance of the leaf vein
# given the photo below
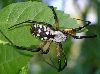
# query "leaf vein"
(10, 12)
(22, 12)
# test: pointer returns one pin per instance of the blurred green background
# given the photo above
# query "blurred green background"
(83, 55)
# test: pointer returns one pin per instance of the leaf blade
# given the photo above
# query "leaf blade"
(11, 59)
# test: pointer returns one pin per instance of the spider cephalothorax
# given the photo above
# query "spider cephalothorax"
(50, 33)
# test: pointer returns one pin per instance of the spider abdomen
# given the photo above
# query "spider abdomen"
(43, 32)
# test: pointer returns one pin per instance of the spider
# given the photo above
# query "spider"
(48, 34)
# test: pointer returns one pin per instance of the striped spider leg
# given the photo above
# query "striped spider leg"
(60, 52)
(58, 41)
(60, 55)
(45, 48)
(72, 31)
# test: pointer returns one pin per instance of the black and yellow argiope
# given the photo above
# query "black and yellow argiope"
(48, 34)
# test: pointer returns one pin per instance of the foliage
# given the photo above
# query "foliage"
(11, 60)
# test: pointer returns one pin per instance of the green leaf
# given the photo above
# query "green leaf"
(91, 51)
(19, 12)
(12, 60)
(24, 70)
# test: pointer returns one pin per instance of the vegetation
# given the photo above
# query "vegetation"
(14, 61)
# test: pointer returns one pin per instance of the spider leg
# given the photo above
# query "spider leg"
(74, 30)
(28, 21)
(20, 47)
(40, 48)
(56, 25)
(59, 53)
(32, 22)
(65, 59)
(52, 65)
(59, 46)
(45, 47)
(80, 28)
(72, 33)
(28, 49)
(81, 37)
